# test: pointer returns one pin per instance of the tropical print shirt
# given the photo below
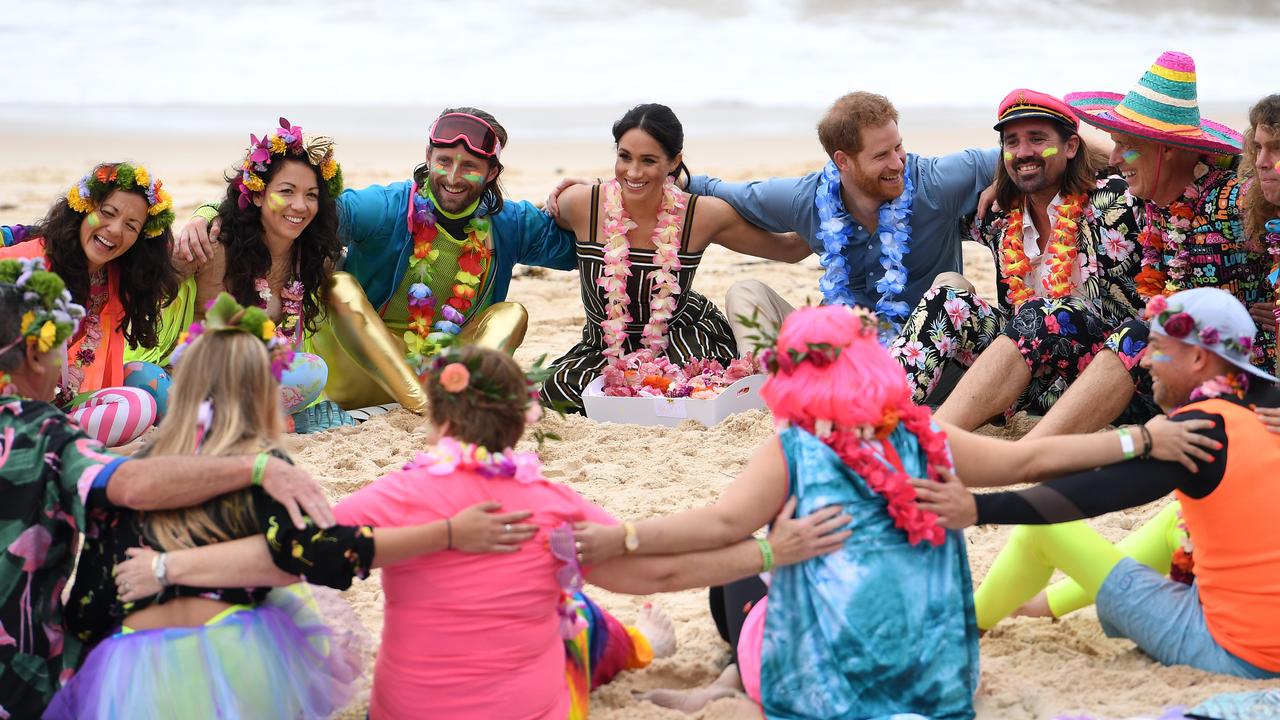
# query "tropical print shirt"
(1108, 254)
(53, 485)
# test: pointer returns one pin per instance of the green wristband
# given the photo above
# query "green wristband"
(260, 468)
(766, 554)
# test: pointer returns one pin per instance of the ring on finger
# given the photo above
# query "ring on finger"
(577, 545)
(507, 528)
(580, 557)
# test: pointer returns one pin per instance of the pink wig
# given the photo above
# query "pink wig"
(856, 389)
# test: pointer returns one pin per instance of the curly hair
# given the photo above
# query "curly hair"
(316, 251)
(1265, 113)
(147, 278)
(490, 411)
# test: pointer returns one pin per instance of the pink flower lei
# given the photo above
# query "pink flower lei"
(617, 268)
(87, 353)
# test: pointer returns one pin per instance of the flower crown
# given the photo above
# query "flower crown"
(86, 195)
(224, 314)
(764, 343)
(1179, 325)
(456, 375)
(288, 140)
(48, 315)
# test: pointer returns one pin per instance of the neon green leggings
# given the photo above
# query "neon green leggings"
(1024, 566)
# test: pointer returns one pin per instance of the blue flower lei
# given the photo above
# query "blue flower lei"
(836, 229)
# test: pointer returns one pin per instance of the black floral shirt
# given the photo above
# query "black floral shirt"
(330, 557)
(1108, 254)
(50, 477)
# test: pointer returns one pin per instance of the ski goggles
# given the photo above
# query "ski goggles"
(478, 135)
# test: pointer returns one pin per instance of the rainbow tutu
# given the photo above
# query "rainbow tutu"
(278, 660)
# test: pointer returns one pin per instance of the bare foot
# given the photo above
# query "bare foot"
(656, 627)
(728, 685)
(1037, 606)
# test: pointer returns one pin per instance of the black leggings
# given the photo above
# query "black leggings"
(730, 605)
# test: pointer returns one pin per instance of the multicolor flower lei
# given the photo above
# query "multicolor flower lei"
(1236, 384)
(287, 140)
(868, 452)
(1063, 247)
(1169, 237)
(290, 328)
(87, 353)
(93, 188)
(617, 268)
(449, 456)
(646, 374)
(426, 335)
(836, 230)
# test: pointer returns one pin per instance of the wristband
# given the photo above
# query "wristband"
(260, 468)
(1126, 443)
(448, 526)
(766, 554)
(1151, 444)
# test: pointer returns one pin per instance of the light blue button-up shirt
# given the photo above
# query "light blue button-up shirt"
(946, 189)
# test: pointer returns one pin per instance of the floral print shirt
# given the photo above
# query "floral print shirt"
(1108, 253)
(49, 479)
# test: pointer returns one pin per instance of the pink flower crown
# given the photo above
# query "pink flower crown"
(224, 314)
(288, 140)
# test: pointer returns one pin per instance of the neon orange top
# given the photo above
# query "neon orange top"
(1237, 539)
(107, 369)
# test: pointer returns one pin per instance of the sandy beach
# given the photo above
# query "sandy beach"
(1030, 668)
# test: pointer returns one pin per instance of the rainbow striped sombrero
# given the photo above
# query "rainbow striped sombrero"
(1161, 107)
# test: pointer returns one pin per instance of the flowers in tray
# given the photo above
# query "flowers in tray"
(644, 374)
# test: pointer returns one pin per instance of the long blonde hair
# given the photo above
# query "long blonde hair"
(232, 371)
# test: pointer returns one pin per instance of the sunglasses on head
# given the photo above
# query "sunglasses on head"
(478, 135)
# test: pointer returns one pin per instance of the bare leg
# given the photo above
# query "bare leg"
(991, 386)
(1037, 606)
(729, 684)
(1092, 402)
(656, 627)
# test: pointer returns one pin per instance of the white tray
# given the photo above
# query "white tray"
(739, 397)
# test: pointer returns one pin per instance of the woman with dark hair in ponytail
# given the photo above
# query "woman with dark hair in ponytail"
(642, 218)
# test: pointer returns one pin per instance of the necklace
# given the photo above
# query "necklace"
(1165, 234)
(450, 456)
(290, 327)
(87, 353)
(1236, 384)
(836, 230)
(472, 261)
(617, 268)
(1063, 246)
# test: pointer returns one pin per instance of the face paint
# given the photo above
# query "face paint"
(1160, 357)
(457, 163)
(93, 219)
(1049, 152)
(473, 178)
(275, 202)
(438, 169)
(1131, 156)
(1008, 155)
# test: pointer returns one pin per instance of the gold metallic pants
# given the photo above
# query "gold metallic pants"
(366, 361)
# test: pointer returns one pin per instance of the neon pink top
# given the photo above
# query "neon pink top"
(469, 636)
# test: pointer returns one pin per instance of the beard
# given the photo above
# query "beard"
(873, 187)
(1033, 184)
(449, 205)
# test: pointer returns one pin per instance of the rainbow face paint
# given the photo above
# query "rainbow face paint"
(473, 178)
(93, 219)
(1049, 152)
(1008, 155)
(275, 202)
(1131, 156)
(1160, 357)
(438, 169)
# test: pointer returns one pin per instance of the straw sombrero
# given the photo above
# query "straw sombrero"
(1161, 107)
